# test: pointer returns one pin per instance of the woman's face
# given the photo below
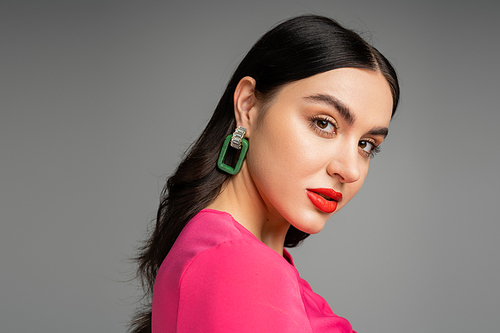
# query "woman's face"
(317, 135)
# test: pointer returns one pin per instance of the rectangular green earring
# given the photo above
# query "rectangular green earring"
(220, 162)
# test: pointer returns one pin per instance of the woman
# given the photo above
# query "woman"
(300, 119)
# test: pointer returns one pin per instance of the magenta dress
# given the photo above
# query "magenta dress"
(218, 277)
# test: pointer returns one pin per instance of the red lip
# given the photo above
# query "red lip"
(321, 203)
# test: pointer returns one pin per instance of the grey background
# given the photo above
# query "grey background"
(98, 100)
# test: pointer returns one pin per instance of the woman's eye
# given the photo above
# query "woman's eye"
(325, 125)
(368, 147)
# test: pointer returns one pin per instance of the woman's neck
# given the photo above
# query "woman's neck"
(241, 199)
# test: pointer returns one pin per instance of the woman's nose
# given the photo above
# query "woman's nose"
(345, 165)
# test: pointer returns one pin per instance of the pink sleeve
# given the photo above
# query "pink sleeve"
(237, 287)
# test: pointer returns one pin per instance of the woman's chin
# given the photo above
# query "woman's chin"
(313, 223)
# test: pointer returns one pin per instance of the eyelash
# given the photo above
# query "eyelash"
(313, 121)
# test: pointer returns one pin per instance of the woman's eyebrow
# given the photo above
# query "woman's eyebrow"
(383, 131)
(337, 104)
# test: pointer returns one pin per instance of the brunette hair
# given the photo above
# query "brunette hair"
(293, 50)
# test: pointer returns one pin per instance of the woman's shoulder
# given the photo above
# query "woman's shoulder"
(240, 279)
(209, 228)
(242, 260)
(214, 234)
(213, 239)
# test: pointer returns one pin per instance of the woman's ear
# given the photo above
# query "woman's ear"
(245, 104)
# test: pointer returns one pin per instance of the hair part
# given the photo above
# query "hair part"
(293, 50)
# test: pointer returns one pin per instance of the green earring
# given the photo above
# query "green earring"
(237, 141)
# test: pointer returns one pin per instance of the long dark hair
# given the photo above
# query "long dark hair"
(293, 50)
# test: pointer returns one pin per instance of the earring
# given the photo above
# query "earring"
(238, 141)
